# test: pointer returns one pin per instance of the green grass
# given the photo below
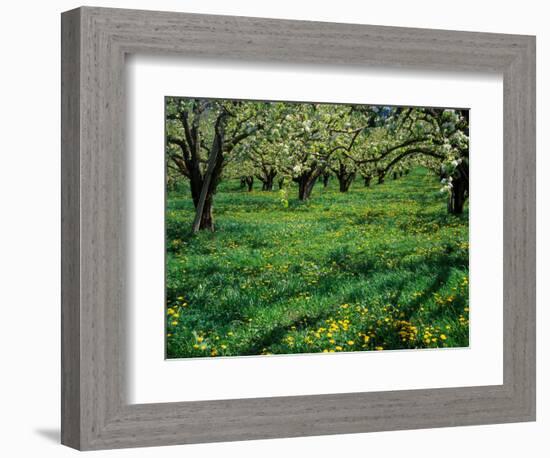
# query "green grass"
(376, 268)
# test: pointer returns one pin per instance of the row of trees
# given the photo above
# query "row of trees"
(209, 140)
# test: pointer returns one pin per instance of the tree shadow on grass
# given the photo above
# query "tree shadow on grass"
(443, 270)
(441, 266)
(441, 219)
(276, 334)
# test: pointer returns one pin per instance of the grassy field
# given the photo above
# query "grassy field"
(376, 268)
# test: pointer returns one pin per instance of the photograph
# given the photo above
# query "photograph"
(301, 227)
(246, 229)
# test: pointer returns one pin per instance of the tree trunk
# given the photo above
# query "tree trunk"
(207, 218)
(305, 186)
(309, 188)
(344, 176)
(302, 189)
(281, 183)
(268, 182)
(459, 189)
(457, 198)
(307, 180)
(196, 186)
(243, 183)
(367, 181)
(345, 180)
(381, 176)
(249, 183)
(203, 214)
(326, 177)
(394, 175)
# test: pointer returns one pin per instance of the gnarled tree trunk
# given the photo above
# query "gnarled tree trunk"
(204, 219)
(267, 180)
(366, 180)
(457, 198)
(249, 181)
(345, 177)
(345, 181)
(207, 217)
(459, 189)
(381, 176)
(306, 181)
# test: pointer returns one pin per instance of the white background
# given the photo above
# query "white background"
(29, 241)
(150, 79)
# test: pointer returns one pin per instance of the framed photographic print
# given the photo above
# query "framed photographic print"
(285, 228)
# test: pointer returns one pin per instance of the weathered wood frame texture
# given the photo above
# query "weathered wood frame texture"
(95, 413)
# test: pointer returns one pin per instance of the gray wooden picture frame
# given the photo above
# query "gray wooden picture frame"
(95, 412)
